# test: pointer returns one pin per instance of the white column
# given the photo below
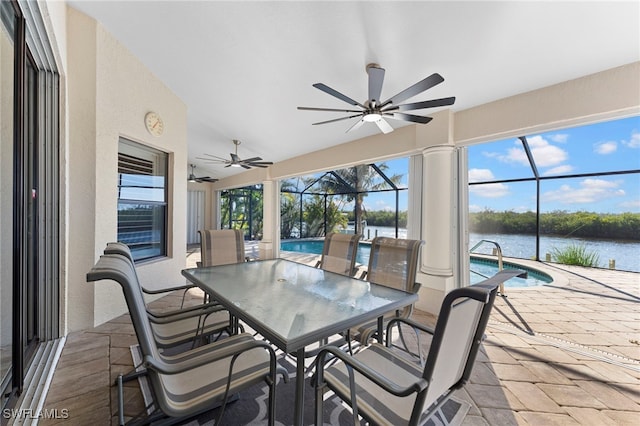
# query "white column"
(438, 211)
(439, 259)
(269, 246)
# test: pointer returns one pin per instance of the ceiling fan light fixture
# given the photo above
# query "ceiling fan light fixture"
(235, 165)
(372, 117)
(373, 110)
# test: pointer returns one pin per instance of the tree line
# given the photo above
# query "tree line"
(382, 218)
(622, 226)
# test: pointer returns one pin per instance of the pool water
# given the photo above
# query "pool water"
(315, 247)
(480, 267)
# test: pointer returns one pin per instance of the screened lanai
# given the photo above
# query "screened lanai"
(369, 199)
(567, 195)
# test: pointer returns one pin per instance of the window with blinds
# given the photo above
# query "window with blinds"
(142, 199)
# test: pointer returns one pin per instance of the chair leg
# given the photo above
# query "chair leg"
(272, 402)
(120, 401)
(320, 389)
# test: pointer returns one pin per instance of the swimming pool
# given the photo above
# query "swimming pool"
(315, 247)
(480, 267)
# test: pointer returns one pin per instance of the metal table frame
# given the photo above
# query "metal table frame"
(240, 288)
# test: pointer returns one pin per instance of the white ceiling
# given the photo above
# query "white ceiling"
(243, 67)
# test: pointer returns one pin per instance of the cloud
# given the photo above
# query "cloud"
(559, 170)
(589, 191)
(544, 153)
(631, 205)
(480, 175)
(383, 205)
(488, 190)
(559, 138)
(634, 142)
(605, 148)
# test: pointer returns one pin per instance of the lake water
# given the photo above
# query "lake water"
(625, 253)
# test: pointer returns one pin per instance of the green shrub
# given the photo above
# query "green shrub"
(575, 254)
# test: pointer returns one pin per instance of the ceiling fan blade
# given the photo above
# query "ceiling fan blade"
(355, 126)
(213, 156)
(384, 126)
(251, 160)
(335, 93)
(327, 109)
(420, 105)
(259, 163)
(337, 119)
(410, 117)
(244, 166)
(376, 77)
(419, 87)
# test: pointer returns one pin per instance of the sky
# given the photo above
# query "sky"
(596, 148)
(610, 146)
(603, 147)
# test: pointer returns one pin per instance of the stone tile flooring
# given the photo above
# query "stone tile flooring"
(567, 353)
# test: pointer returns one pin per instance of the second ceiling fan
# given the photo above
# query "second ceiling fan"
(375, 111)
(236, 161)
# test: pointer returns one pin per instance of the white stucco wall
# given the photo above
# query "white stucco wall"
(109, 93)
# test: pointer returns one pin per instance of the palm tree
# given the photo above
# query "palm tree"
(354, 183)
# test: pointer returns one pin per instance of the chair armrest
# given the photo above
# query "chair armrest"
(410, 322)
(169, 289)
(363, 275)
(366, 371)
(216, 354)
(190, 312)
(499, 278)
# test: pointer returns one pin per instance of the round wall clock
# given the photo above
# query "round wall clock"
(154, 123)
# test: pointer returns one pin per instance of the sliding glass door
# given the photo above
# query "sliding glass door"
(8, 27)
(29, 194)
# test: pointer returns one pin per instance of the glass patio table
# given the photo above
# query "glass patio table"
(295, 305)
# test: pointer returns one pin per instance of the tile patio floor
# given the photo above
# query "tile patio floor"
(567, 353)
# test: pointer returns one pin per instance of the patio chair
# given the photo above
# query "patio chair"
(393, 263)
(196, 380)
(221, 247)
(386, 387)
(339, 253)
(186, 325)
(124, 250)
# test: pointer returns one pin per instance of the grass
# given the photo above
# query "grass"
(575, 254)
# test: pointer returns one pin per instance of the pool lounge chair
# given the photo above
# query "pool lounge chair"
(386, 387)
(196, 380)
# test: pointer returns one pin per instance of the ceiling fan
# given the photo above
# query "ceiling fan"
(375, 111)
(193, 178)
(236, 161)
